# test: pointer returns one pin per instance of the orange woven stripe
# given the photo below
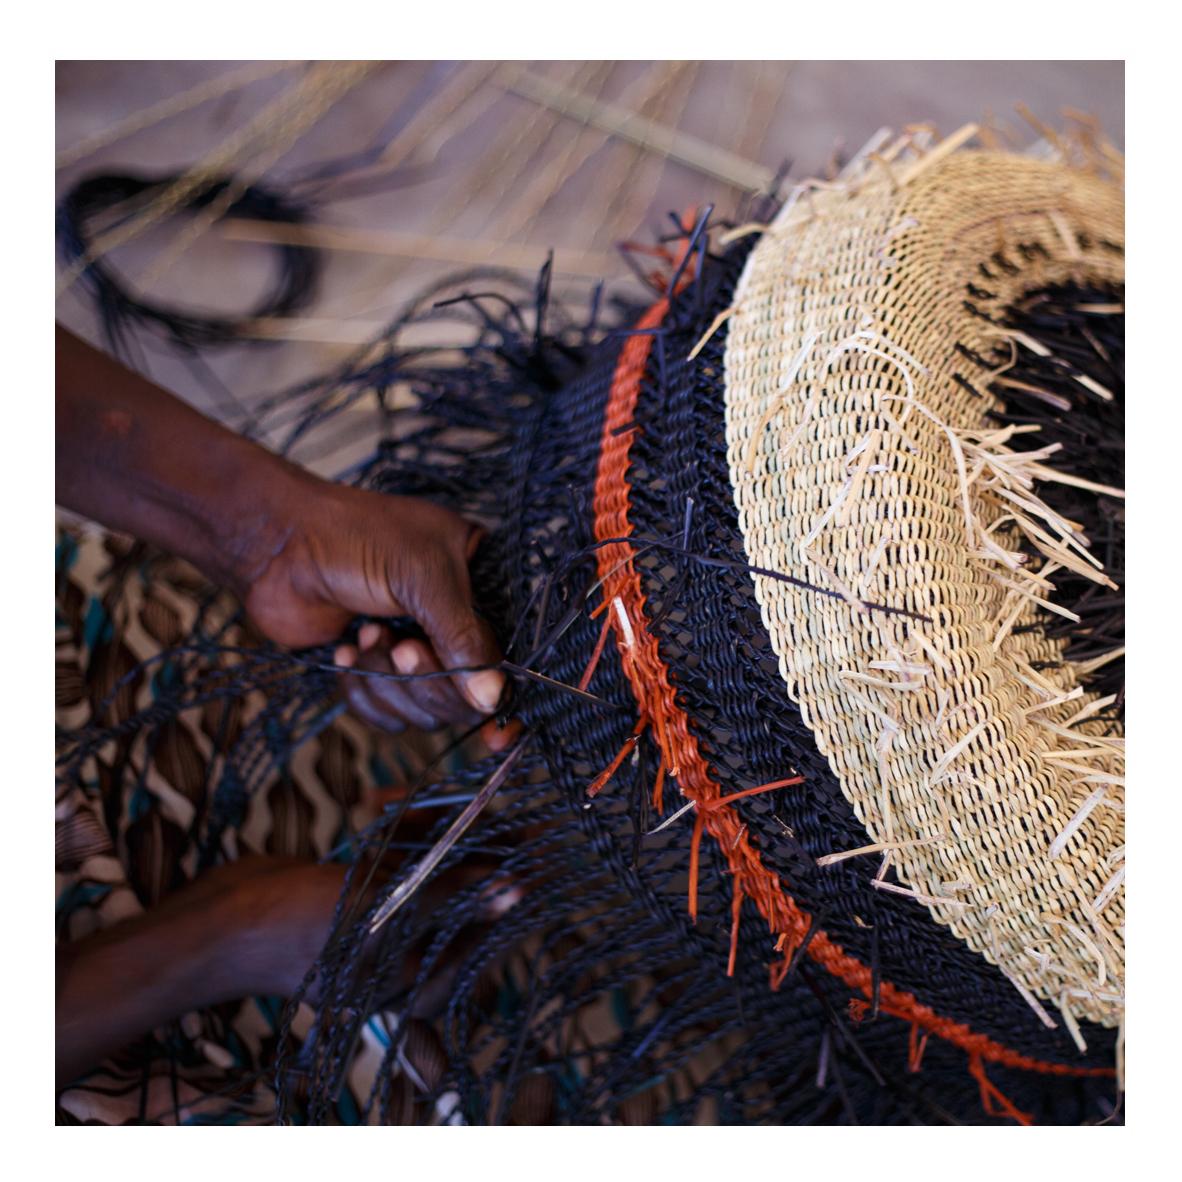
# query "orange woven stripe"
(657, 707)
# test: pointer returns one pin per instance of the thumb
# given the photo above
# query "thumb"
(461, 638)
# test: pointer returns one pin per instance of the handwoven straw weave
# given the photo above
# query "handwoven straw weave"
(859, 463)
(720, 747)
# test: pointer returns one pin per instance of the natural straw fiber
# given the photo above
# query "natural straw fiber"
(860, 463)
(680, 910)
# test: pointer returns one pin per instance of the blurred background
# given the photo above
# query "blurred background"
(410, 171)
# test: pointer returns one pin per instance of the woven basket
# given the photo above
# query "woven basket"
(817, 817)
(859, 463)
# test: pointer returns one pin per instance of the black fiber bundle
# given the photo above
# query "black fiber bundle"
(570, 985)
(121, 308)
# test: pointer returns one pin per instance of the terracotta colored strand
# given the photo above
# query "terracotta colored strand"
(778, 971)
(993, 1100)
(601, 780)
(696, 839)
(736, 910)
(695, 862)
(657, 704)
(593, 664)
(754, 791)
(916, 1047)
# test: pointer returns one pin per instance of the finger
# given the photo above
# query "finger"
(498, 737)
(354, 688)
(403, 702)
(461, 638)
(440, 591)
(361, 707)
(396, 701)
(371, 635)
(405, 699)
(476, 535)
(436, 700)
(385, 704)
(439, 696)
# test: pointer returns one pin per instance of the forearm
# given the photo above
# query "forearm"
(115, 987)
(137, 459)
(252, 927)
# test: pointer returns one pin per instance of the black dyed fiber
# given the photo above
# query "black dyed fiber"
(593, 997)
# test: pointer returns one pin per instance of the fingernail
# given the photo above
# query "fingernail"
(484, 689)
(345, 656)
(475, 537)
(368, 634)
(405, 657)
(499, 735)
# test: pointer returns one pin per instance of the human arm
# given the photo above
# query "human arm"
(304, 555)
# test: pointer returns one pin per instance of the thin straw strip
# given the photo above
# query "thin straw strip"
(930, 900)
(715, 325)
(1071, 1024)
(877, 847)
(628, 125)
(1032, 1002)
(943, 149)
(685, 808)
(467, 251)
(1108, 891)
(1090, 709)
(1081, 815)
(174, 104)
(949, 755)
(407, 888)
(1086, 941)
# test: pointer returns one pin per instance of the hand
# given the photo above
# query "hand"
(393, 705)
(305, 556)
(346, 552)
(251, 927)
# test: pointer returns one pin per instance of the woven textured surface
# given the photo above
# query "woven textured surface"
(663, 938)
(860, 463)
(622, 450)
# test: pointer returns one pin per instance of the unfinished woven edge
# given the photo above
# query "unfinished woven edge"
(857, 462)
